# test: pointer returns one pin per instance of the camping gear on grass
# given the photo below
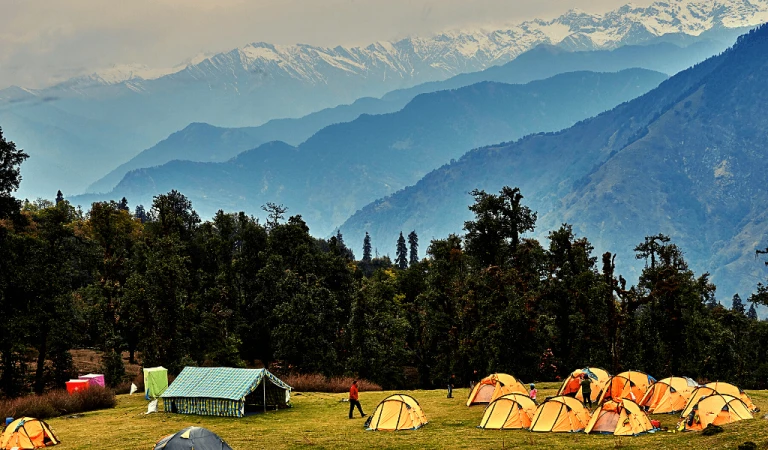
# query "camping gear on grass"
(494, 386)
(560, 415)
(395, 413)
(77, 385)
(620, 417)
(669, 395)
(224, 391)
(155, 381)
(631, 385)
(508, 412)
(715, 409)
(27, 433)
(572, 383)
(192, 438)
(134, 388)
(95, 379)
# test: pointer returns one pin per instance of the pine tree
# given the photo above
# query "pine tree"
(752, 313)
(59, 197)
(123, 205)
(401, 256)
(413, 243)
(141, 213)
(737, 306)
(367, 248)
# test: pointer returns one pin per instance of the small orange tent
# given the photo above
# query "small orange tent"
(560, 415)
(27, 433)
(715, 409)
(508, 412)
(631, 384)
(572, 384)
(620, 418)
(397, 412)
(669, 395)
(727, 388)
(494, 386)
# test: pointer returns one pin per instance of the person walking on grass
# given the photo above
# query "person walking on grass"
(533, 393)
(451, 381)
(353, 400)
(586, 389)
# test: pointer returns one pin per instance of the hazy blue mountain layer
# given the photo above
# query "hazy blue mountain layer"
(345, 166)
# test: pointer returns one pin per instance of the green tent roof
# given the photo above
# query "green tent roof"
(219, 382)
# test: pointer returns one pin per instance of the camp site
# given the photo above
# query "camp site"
(231, 408)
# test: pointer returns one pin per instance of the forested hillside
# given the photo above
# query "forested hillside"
(175, 291)
(686, 159)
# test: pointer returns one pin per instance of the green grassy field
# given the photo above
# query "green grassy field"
(320, 421)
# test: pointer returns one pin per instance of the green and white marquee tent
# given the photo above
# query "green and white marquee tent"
(225, 391)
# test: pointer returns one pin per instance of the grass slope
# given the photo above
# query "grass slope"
(320, 421)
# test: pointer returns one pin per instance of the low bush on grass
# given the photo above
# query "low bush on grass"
(320, 383)
(58, 403)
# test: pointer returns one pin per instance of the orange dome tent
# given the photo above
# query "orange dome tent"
(494, 386)
(397, 412)
(631, 384)
(508, 412)
(572, 383)
(669, 395)
(727, 388)
(27, 433)
(715, 409)
(619, 418)
(560, 415)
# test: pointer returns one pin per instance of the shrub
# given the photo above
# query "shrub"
(320, 383)
(58, 403)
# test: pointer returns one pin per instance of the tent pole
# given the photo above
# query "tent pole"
(264, 383)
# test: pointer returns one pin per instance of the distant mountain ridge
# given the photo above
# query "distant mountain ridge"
(344, 166)
(686, 159)
(250, 85)
(206, 143)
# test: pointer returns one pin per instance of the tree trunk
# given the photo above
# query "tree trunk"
(40, 372)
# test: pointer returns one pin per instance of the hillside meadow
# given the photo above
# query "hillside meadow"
(320, 421)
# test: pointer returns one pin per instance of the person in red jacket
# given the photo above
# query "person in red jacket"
(353, 400)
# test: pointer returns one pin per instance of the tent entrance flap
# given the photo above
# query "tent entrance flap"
(275, 397)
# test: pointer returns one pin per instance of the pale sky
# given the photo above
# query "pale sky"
(46, 41)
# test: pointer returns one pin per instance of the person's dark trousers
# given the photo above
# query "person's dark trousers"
(588, 398)
(450, 391)
(352, 404)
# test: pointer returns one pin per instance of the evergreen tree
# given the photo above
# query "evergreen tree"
(123, 205)
(141, 213)
(59, 197)
(737, 305)
(401, 257)
(752, 313)
(492, 238)
(367, 248)
(10, 177)
(413, 245)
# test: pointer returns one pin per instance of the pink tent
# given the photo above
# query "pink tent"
(95, 379)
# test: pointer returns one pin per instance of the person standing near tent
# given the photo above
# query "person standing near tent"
(533, 393)
(473, 381)
(451, 380)
(586, 389)
(353, 400)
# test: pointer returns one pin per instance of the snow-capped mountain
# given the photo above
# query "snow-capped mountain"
(258, 82)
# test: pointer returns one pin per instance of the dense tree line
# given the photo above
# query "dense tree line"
(171, 289)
